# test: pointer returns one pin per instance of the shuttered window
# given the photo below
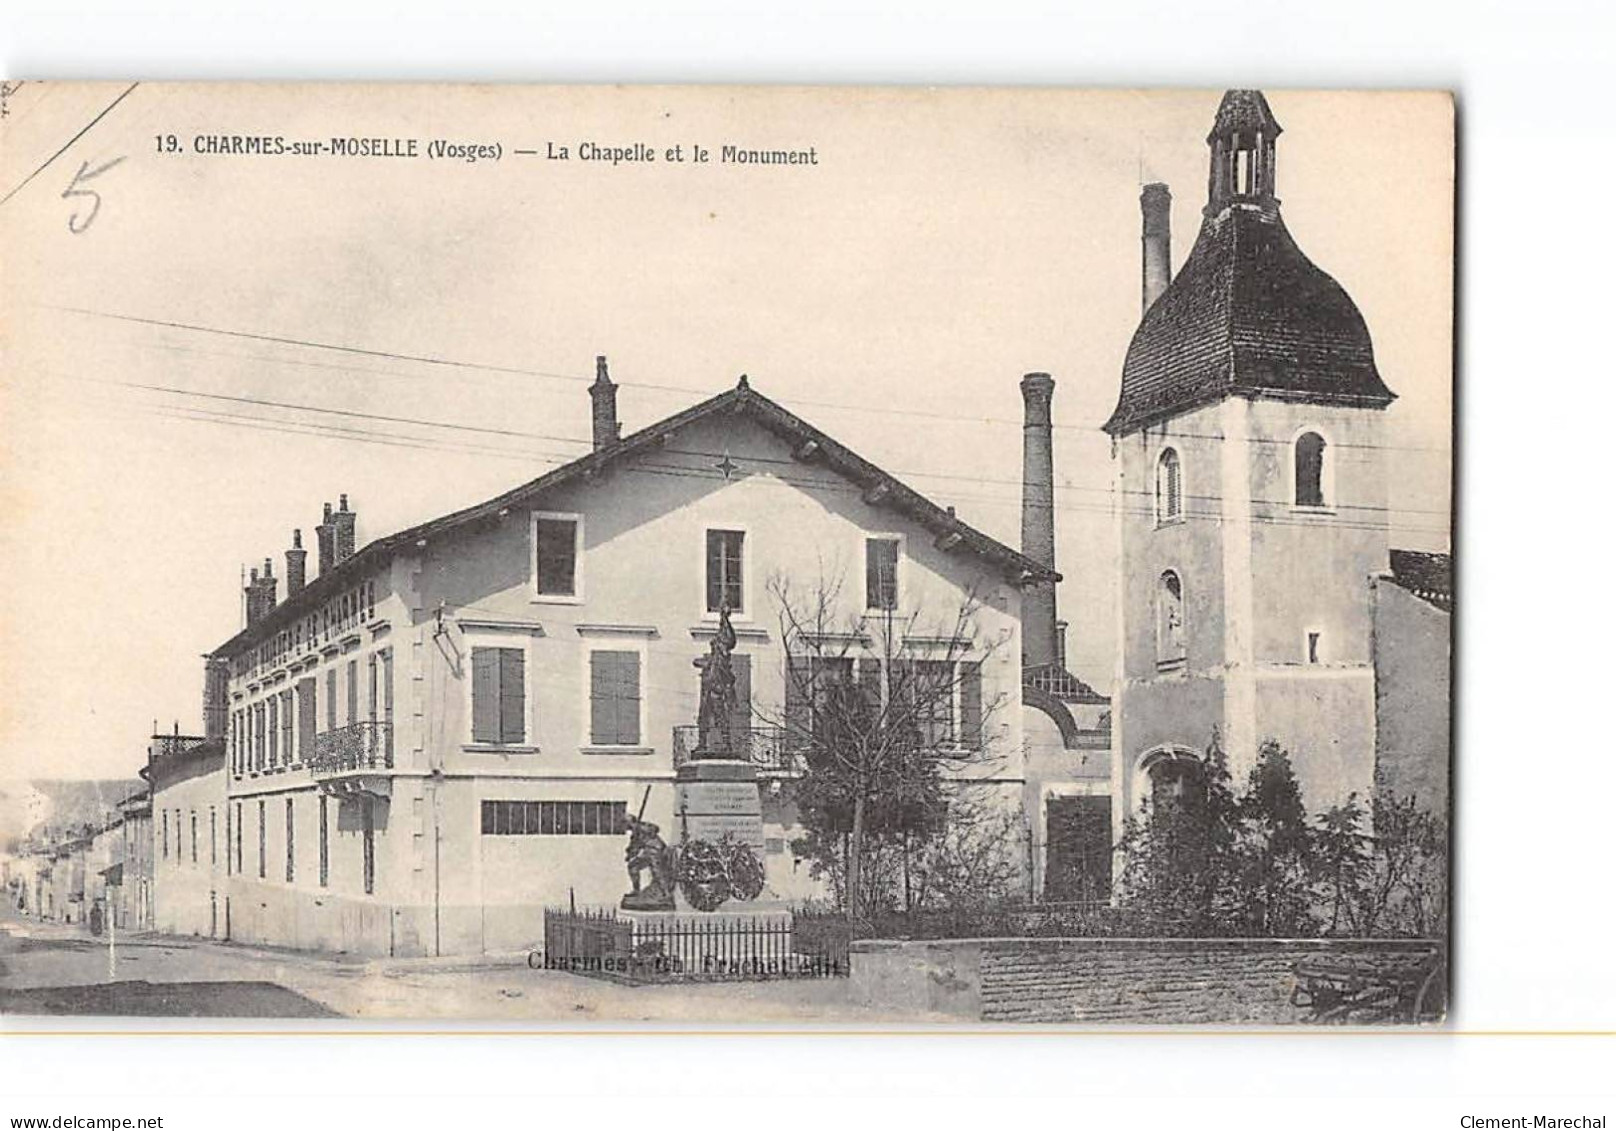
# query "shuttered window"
(741, 721)
(614, 698)
(291, 834)
(325, 844)
(724, 570)
(331, 699)
(272, 728)
(556, 556)
(288, 753)
(498, 696)
(970, 697)
(353, 692)
(306, 716)
(881, 573)
(1169, 487)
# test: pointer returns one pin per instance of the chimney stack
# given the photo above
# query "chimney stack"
(296, 566)
(604, 395)
(260, 594)
(325, 534)
(344, 520)
(1156, 206)
(1038, 631)
(215, 697)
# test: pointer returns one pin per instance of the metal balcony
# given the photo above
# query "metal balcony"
(764, 747)
(354, 758)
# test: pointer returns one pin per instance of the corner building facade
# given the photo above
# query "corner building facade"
(445, 732)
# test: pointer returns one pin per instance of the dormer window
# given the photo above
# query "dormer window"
(1309, 470)
(1169, 488)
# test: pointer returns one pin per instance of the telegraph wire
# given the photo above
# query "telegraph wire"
(694, 453)
(714, 476)
(631, 383)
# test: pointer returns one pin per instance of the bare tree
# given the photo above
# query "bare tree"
(880, 706)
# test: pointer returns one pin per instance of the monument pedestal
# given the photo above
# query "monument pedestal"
(718, 797)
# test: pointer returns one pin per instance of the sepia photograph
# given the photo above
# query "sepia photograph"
(727, 555)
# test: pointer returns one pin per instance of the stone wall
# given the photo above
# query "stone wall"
(1098, 981)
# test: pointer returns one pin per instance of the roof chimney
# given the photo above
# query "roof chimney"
(296, 566)
(260, 595)
(325, 534)
(344, 520)
(1156, 205)
(1038, 633)
(215, 697)
(604, 395)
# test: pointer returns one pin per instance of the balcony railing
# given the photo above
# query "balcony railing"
(358, 748)
(764, 747)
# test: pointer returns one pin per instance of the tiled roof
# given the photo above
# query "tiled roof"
(742, 399)
(1244, 111)
(1427, 576)
(1249, 315)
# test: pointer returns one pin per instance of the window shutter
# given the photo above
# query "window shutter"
(869, 685)
(353, 692)
(971, 705)
(799, 715)
(628, 724)
(614, 698)
(602, 700)
(485, 695)
(715, 570)
(741, 720)
(306, 716)
(872, 574)
(512, 701)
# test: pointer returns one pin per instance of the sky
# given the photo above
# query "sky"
(228, 342)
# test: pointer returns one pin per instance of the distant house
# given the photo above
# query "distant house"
(189, 831)
(447, 729)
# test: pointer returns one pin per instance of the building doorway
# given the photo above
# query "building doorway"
(1077, 851)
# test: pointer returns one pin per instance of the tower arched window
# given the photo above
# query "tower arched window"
(1309, 471)
(1169, 487)
(1169, 621)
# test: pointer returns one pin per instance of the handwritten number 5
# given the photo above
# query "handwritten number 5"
(74, 224)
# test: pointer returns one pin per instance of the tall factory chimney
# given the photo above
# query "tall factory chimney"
(1038, 630)
(1156, 205)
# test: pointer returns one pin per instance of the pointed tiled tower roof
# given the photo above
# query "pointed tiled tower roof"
(1248, 314)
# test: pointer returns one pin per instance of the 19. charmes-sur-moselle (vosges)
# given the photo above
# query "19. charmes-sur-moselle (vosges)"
(636, 153)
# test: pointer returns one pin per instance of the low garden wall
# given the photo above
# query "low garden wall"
(1104, 981)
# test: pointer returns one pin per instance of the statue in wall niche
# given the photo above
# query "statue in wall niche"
(715, 736)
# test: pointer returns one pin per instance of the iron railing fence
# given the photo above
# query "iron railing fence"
(357, 747)
(694, 947)
(765, 747)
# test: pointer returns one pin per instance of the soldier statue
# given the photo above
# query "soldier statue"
(647, 851)
(717, 712)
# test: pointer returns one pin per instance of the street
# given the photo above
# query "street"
(48, 968)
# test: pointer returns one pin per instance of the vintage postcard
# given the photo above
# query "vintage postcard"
(726, 555)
